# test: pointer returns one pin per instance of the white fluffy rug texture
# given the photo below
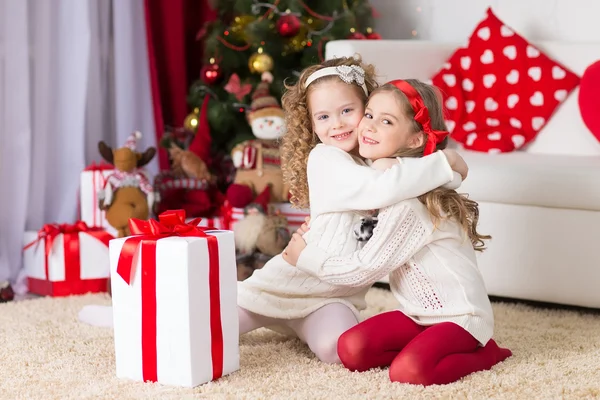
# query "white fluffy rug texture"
(46, 353)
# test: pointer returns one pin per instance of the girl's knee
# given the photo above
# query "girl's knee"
(326, 350)
(352, 347)
(408, 368)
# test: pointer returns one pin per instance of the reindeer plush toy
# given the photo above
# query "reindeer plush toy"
(127, 192)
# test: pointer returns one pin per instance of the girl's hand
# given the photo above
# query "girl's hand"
(304, 227)
(457, 163)
(293, 249)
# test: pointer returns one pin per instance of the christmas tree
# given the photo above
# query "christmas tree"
(251, 37)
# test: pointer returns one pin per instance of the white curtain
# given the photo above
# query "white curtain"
(72, 72)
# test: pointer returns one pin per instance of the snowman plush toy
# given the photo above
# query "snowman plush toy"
(257, 161)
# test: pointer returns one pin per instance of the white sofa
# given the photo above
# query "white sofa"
(541, 204)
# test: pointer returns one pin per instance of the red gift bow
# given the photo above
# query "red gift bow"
(434, 137)
(97, 169)
(102, 166)
(171, 223)
(50, 232)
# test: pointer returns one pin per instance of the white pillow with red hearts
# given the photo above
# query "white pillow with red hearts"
(499, 91)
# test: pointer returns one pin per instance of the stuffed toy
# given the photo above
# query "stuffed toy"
(364, 229)
(257, 160)
(189, 184)
(259, 236)
(127, 192)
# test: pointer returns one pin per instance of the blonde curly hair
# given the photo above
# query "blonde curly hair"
(299, 139)
(441, 202)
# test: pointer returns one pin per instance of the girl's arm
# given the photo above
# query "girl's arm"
(385, 163)
(400, 233)
(337, 183)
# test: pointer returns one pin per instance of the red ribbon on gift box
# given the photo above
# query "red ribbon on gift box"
(97, 171)
(226, 215)
(73, 284)
(170, 223)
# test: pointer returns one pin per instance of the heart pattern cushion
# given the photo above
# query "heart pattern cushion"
(499, 90)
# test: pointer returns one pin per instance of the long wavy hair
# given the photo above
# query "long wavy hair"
(299, 138)
(441, 203)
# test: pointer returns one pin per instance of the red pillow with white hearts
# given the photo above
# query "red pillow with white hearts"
(499, 90)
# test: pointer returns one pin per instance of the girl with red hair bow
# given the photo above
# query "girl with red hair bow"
(443, 327)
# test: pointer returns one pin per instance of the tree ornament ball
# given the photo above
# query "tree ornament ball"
(239, 24)
(211, 74)
(299, 41)
(260, 62)
(288, 25)
(373, 36)
(356, 36)
(190, 122)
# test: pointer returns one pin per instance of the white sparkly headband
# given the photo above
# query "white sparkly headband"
(347, 73)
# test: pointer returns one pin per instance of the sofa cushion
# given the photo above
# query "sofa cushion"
(559, 181)
(499, 89)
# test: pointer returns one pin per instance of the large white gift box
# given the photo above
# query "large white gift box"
(63, 260)
(175, 308)
(92, 179)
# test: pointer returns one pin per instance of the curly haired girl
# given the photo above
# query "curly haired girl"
(319, 152)
(444, 323)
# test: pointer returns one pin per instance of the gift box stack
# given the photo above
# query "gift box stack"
(72, 259)
(63, 259)
(174, 292)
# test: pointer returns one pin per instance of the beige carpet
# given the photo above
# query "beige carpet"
(47, 354)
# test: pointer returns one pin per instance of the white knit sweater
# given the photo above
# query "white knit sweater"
(338, 185)
(433, 271)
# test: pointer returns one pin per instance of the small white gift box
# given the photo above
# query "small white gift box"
(63, 260)
(92, 179)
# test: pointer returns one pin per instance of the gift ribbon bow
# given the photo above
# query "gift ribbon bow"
(421, 115)
(99, 167)
(146, 234)
(50, 232)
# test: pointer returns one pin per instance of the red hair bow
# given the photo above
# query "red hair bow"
(421, 115)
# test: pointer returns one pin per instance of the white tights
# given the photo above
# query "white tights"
(319, 330)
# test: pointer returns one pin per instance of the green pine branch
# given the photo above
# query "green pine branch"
(228, 124)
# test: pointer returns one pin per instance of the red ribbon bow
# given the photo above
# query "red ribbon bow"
(170, 223)
(102, 166)
(73, 283)
(434, 137)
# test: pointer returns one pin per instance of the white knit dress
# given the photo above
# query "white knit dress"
(433, 270)
(338, 185)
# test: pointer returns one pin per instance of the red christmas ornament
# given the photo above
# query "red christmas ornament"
(356, 36)
(288, 25)
(373, 36)
(211, 74)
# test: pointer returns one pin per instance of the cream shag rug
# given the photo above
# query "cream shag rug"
(47, 354)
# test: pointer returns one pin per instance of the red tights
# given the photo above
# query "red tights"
(421, 355)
